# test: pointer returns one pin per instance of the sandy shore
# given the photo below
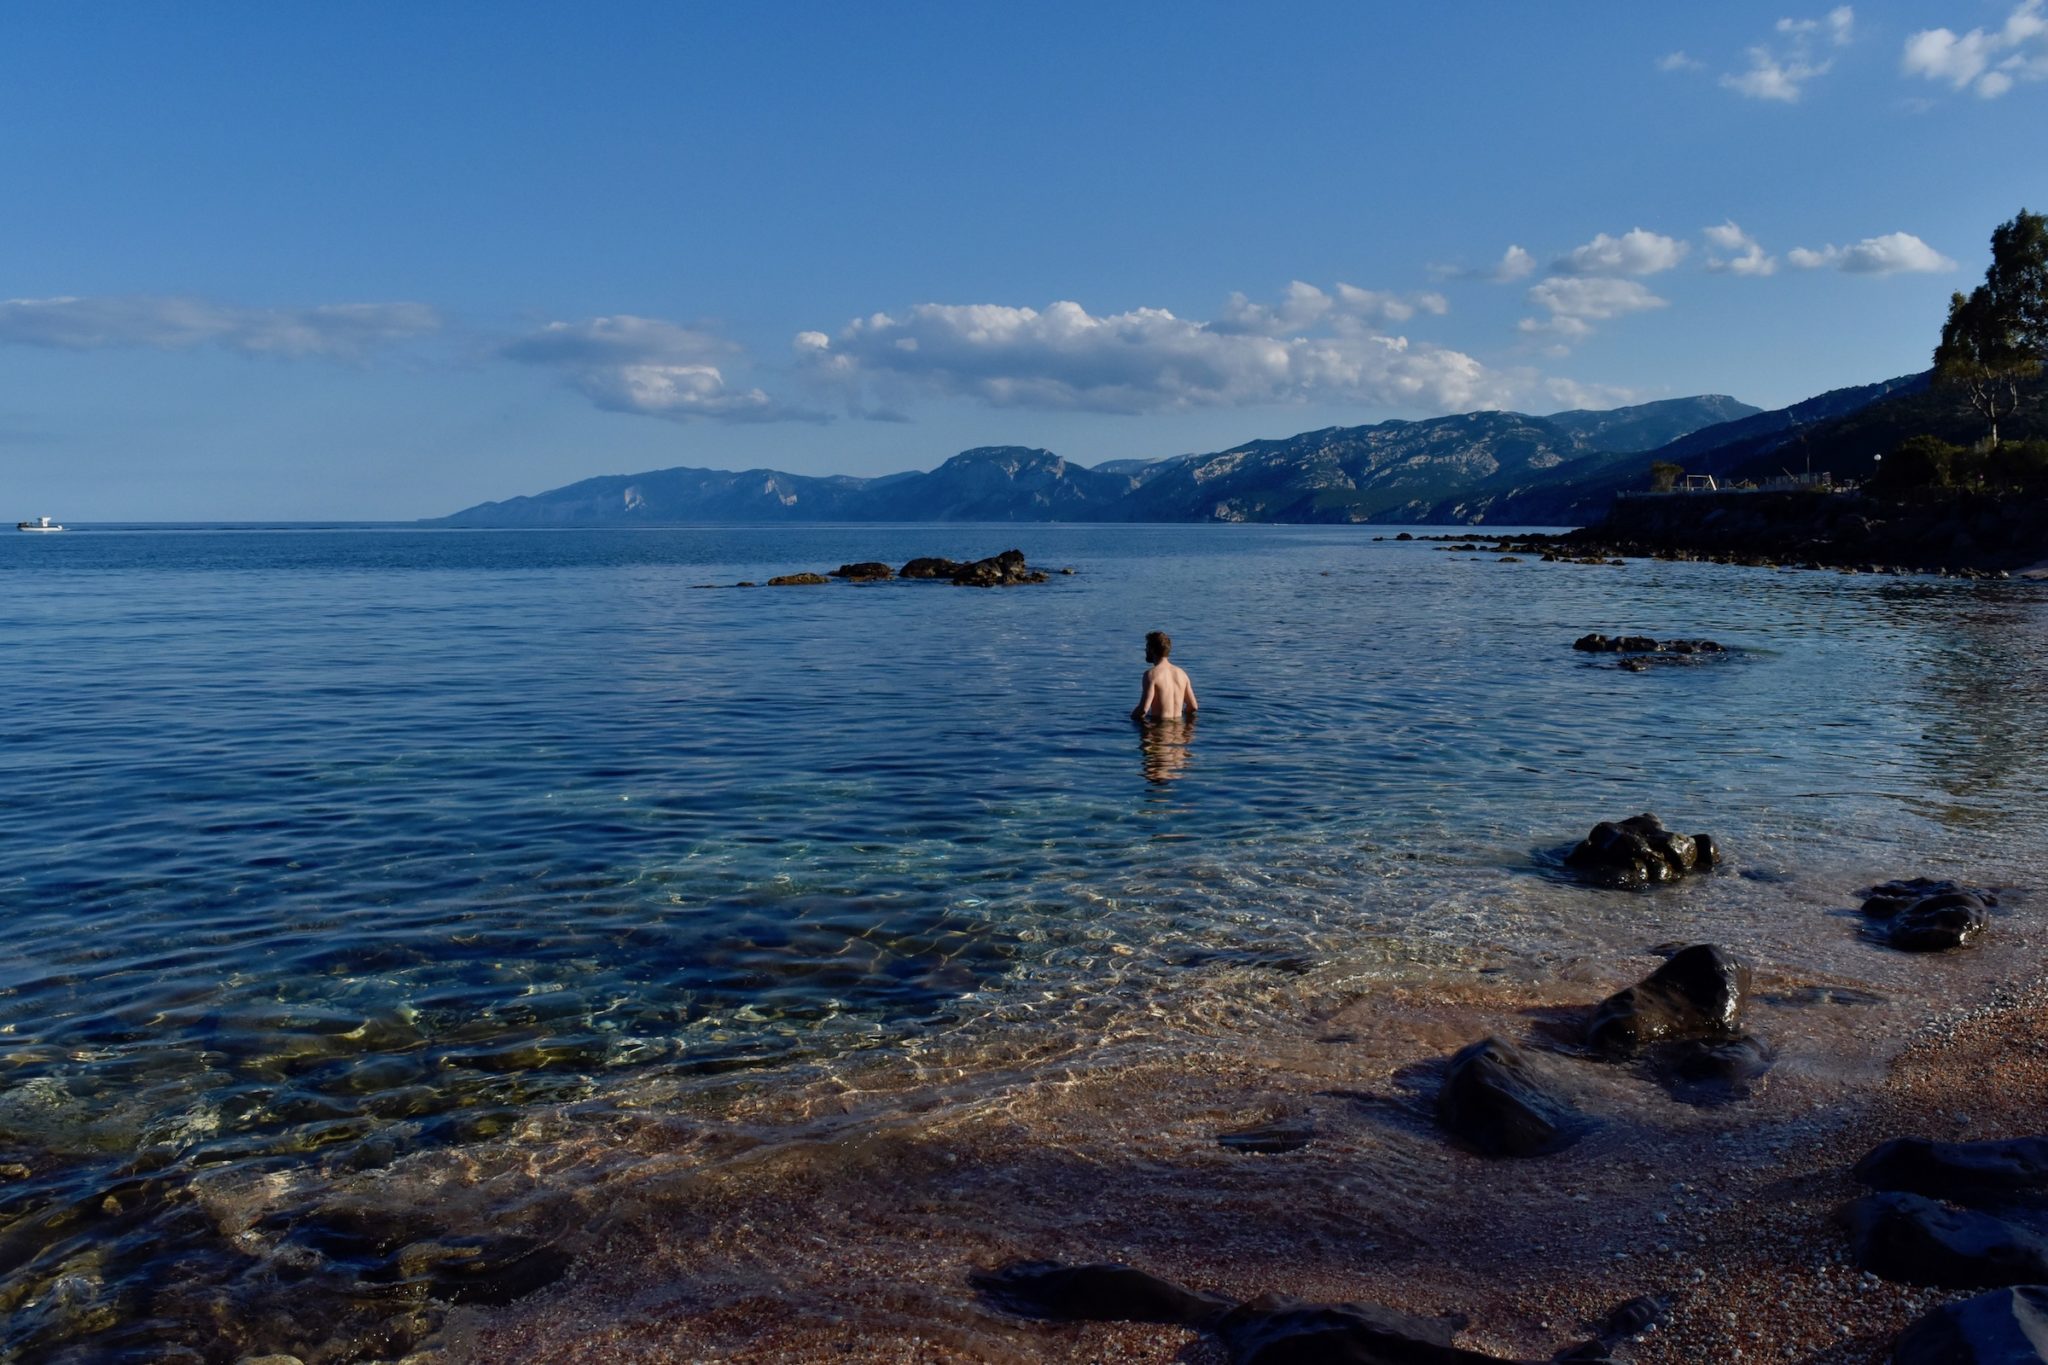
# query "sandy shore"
(846, 1232)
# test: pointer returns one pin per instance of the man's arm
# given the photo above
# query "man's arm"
(1193, 705)
(1147, 691)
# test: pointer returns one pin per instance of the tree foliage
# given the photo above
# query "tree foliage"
(1997, 336)
(1919, 462)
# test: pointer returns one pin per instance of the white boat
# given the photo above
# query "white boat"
(39, 524)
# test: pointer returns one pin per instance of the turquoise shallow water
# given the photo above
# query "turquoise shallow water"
(327, 846)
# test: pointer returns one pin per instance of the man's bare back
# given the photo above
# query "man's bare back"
(1167, 691)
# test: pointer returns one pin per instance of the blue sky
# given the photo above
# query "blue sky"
(384, 260)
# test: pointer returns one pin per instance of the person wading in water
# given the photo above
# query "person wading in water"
(1168, 693)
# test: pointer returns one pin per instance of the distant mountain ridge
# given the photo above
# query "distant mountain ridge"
(1395, 471)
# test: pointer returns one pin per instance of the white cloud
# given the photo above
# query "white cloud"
(1149, 360)
(1988, 61)
(1514, 264)
(1771, 77)
(647, 366)
(1635, 252)
(1574, 304)
(1781, 71)
(1744, 254)
(1895, 253)
(1679, 61)
(342, 331)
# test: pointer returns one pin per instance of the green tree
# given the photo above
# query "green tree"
(1996, 337)
(1919, 462)
(1664, 476)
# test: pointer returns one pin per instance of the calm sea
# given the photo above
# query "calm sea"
(323, 847)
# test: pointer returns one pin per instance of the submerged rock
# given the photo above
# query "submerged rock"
(1913, 1240)
(1273, 1329)
(1493, 1101)
(1698, 993)
(1096, 1293)
(866, 571)
(1283, 1135)
(1967, 1172)
(1705, 1074)
(1922, 915)
(2003, 1327)
(794, 580)
(1639, 852)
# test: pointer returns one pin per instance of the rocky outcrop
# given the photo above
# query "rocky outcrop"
(1698, 993)
(2003, 1327)
(868, 571)
(1922, 915)
(929, 567)
(1495, 1102)
(797, 580)
(1638, 853)
(997, 571)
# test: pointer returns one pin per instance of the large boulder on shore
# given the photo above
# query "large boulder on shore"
(1639, 852)
(1912, 1240)
(1699, 992)
(2003, 1327)
(1494, 1101)
(1967, 1172)
(1922, 915)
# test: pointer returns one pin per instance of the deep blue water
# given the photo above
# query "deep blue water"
(331, 844)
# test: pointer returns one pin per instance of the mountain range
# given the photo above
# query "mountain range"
(1506, 468)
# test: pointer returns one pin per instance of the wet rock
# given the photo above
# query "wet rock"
(1095, 1293)
(997, 571)
(1698, 993)
(1912, 1240)
(1705, 1074)
(1966, 1172)
(867, 571)
(1887, 899)
(929, 567)
(1284, 1135)
(1274, 1329)
(1493, 1101)
(1937, 924)
(1639, 852)
(793, 580)
(1645, 644)
(2003, 1327)
(486, 1270)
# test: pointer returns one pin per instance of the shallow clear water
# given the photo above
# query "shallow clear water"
(323, 847)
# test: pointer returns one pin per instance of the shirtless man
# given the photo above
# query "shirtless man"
(1168, 694)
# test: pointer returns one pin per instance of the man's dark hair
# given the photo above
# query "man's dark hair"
(1158, 644)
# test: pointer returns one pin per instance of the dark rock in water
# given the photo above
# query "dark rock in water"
(1645, 644)
(1703, 1073)
(1936, 924)
(1493, 1101)
(929, 568)
(1286, 1135)
(1698, 993)
(1912, 1240)
(1888, 898)
(1096, 1293)
(1274, 1329)
(864, 572)
(744, 583)
(1639, 852)
(794, 580)
(486, 1270)
(2003, 1327)
(1404, 536)
(1967, 1172)
(997, 571)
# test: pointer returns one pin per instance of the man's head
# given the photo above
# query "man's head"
(1158, 644)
